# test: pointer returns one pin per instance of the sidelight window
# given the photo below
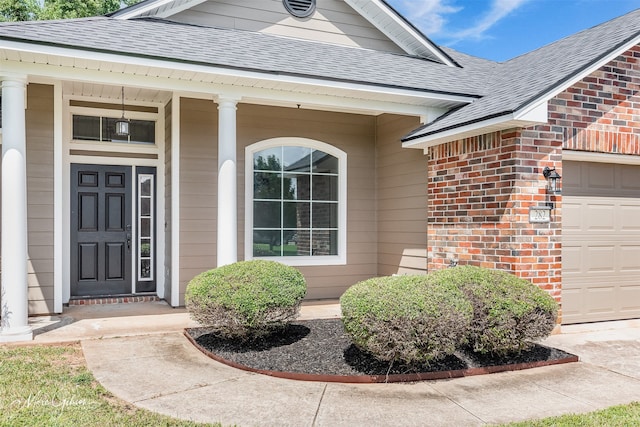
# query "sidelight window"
(145, 227)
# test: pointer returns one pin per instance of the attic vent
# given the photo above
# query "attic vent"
(300, 8)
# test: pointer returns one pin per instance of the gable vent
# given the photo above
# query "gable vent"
(300, 8)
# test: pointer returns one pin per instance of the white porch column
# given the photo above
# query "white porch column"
(227, 182)
(14, 309)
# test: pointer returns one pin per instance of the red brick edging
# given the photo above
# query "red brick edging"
(114, 300)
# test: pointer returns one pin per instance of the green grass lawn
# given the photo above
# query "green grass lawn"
(51, 386)
(616, 416)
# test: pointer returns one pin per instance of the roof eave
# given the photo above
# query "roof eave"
(155, 9)
(579, 74)
(414, 42)
(499, 122)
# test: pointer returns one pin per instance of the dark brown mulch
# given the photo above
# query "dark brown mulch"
(321, 347)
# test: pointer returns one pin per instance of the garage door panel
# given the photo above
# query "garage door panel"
(600, 217)
(572, 216)
(571, 259)
(572, 303)
(601, 299)
(601, 178)
(601, 242)
(629, 217)
(630, 259)
(630, 177)
(600, 259)
(630, 299)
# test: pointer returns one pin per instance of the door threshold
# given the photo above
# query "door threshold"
(112, 299)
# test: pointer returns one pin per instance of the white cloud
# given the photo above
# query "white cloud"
(499, 10)
(432, 16)
(429, 15)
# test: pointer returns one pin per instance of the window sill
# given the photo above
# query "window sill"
(306, 261)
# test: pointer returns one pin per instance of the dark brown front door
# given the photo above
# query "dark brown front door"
(100, 230)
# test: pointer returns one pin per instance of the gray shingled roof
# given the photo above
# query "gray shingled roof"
(245, 50)
(523, 79)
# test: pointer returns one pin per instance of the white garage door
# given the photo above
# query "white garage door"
(600, 242)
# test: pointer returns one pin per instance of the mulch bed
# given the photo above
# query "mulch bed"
(319, 350)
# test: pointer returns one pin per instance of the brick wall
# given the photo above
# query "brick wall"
(479, 193)
(601, 113)
(480, 189)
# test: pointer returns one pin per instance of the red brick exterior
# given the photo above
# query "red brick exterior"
(479, 194)
(601, 113)
(480, 189)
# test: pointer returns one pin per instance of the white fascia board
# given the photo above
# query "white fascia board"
(415, 36)
(507, 121)
(142, 11)
(221, 71)
(177, 8)
(555, 90)
(195, 89)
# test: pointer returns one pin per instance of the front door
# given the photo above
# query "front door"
(100, 230)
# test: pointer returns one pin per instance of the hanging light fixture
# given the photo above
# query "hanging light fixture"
(122, 125)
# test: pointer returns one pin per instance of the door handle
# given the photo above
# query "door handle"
(128, 236)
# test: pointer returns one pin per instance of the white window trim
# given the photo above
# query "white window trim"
(63, 175)
(124, 147)
(341, 258)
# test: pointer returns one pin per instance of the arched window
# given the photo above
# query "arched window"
(296, 202)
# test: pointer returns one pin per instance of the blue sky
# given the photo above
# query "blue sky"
(503, 29)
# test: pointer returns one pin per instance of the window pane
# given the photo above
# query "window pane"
(145, 185)
(296, 187)
(145, 247)
(142, 131)
(266, 243)
(266, 214)
(267, 185)
(325, 243)
(325, 188)
(297, 243)
(145, 207)
(296, 215)
(145, 268)
(324, 163)
(145, 227)
(86, 128)
(297, 159)
(325, 215)
(268, 160)
(109, 131)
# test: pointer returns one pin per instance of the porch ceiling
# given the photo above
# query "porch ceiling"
(111, 92)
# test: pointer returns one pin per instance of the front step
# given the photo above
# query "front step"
(123, 299)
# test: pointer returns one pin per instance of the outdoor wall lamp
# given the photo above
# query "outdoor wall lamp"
(553, 180)
(122, 125)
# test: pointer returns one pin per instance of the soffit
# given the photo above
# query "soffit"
(88, 77)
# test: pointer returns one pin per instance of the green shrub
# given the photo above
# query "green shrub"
(247, 299)
(405, 318)
(508, 312)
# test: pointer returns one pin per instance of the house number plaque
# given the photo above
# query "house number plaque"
(539, 214)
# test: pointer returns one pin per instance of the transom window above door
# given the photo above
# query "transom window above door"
(297, 202)
(103, 129)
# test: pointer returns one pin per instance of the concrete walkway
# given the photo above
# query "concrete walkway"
(161, 371)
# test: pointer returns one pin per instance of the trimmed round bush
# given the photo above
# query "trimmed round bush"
(406, 318)
(508, 312)
(247, 299)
